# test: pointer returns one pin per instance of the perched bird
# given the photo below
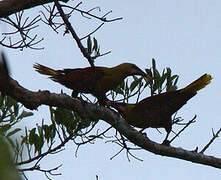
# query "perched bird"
(156, 111)
(91, 80)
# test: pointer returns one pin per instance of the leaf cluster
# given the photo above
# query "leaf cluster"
(10, 115)
(93, 49)
(159, 83)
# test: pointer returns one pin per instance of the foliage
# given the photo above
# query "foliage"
(158, 84)
(30, 145)
(65, 125)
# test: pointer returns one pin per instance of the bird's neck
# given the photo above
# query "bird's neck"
(119, 72)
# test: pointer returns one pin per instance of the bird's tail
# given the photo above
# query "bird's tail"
(198, 84)
(45, 70)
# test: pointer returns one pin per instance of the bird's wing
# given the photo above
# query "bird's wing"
(168, 102)
(83, 79)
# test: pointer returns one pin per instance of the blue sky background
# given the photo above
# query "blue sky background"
(182, 35)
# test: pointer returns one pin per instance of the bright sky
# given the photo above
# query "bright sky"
(182, 35)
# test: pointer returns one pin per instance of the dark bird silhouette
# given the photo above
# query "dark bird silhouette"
(156, 111)
(91, 80)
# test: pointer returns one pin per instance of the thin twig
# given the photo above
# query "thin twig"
(46, 171)
(103, 18)
(94, 137)
(100, 55)
(92, 31)
(74, 35)
(23, 28)
(215, 135)
(47, 152)
(190, 122)
(122, 142)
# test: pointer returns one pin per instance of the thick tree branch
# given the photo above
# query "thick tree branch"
(32, 100)
(8, 7)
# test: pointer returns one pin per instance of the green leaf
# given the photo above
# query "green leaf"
(49, 132)
(10, 102)
(4, 128)
(118, 90)
(89, 45)
(40, 132)
(173, 77)
(156, 74)
(163, 78)
(24, 140)
(84, 123)
(134, 84)
(16, 109)
(149, 72)
(95, 44)
(147, 80)
(121, 86)
(168, 72)
(135, 78)
(67, 118)
(52, 130)
(13, 132)
(176, 80)
(12, 118)
(32, 136)
(38, 143)
(153, 63)
(126, 87)
(2, 98)
(98, 51)
(156, 85)
(62, 116)
(172, 88)
(25, 114)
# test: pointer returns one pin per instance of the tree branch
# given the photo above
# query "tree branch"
(32, 100)
(73, 33)
(215, 135)
(8, 7)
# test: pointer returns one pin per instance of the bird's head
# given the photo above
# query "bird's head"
(132, 69)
